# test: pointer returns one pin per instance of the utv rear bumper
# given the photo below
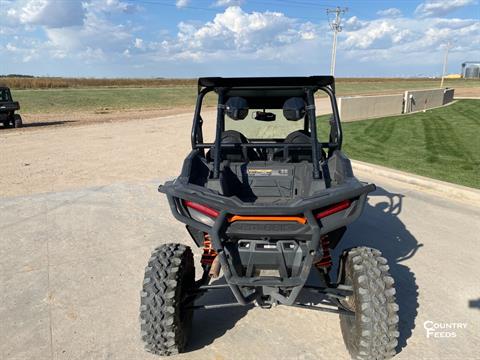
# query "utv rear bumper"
(246, 248)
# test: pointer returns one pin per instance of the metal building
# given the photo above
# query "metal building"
(471, 70)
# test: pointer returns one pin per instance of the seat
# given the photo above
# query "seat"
(296, 154)
(236, 154)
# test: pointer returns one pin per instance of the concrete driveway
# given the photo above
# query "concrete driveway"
(71, 268)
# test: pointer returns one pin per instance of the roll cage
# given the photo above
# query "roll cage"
(5, 94)
(269, 90)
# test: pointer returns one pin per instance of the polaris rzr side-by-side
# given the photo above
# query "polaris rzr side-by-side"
(7, 109)
(267, 201)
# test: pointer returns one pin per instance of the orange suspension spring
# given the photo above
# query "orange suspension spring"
(209, 252)
(326, 260)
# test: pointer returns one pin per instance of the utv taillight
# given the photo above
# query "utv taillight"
(201, 213)
(329, 210)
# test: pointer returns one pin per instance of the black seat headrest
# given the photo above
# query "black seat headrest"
(298, 137)
(296, 154)
(235, 154)
(233, 137)
(236, 108)
(294, 108)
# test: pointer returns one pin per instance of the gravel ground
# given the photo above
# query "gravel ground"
(72, 266)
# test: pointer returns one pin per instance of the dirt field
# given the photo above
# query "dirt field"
(94, 117)
(58, 158)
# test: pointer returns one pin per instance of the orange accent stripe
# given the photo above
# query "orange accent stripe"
(298, 219)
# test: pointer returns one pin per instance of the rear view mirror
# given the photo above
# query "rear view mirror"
(265, 116)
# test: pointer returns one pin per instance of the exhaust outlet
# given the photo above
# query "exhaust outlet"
(215, 269)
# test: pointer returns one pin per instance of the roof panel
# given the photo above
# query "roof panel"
(316, 81)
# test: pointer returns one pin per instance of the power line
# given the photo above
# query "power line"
(299, 3)
(158, 3)
(290, 4)
(336, 27)
(294, 5)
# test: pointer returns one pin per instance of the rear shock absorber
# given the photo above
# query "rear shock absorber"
(209, 253)
(326, 260)
(210, 261)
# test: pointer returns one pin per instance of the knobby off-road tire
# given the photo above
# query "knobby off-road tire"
(372, 333)
(165, 322)
(17, 121)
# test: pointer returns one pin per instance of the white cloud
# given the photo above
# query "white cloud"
(181, 3)
(391, 12)
(378, 34)
(23, 50)
(96, 33)
(237, 36)
(226, 3)
(431, 8)
(73, 29)
(237, 30)
(111, 6)
(354, 23)
(93, 55)
(411, 41)
(51, 13)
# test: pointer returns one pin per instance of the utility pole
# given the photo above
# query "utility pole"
(445, 62)
(336, 27)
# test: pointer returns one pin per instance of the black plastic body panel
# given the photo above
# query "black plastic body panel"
(7, 107)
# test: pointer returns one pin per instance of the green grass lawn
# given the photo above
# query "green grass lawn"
(171, 96)
(442, 143)
(381, 86)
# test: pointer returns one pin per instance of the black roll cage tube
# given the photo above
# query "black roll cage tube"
(310, 122)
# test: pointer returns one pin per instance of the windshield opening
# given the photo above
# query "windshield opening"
(256, 129)
(268, 130)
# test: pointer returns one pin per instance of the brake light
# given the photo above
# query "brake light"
(333, 209)
(201, 213)
(202, 208)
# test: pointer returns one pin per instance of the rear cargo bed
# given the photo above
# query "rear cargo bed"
(269, 182)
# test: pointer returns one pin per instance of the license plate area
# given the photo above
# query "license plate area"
(256, 256)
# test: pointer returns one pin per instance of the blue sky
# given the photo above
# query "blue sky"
(190, 38)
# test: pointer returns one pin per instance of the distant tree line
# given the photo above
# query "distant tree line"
(16, 76)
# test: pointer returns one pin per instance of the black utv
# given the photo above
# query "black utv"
(7, 109)
(267, 202)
